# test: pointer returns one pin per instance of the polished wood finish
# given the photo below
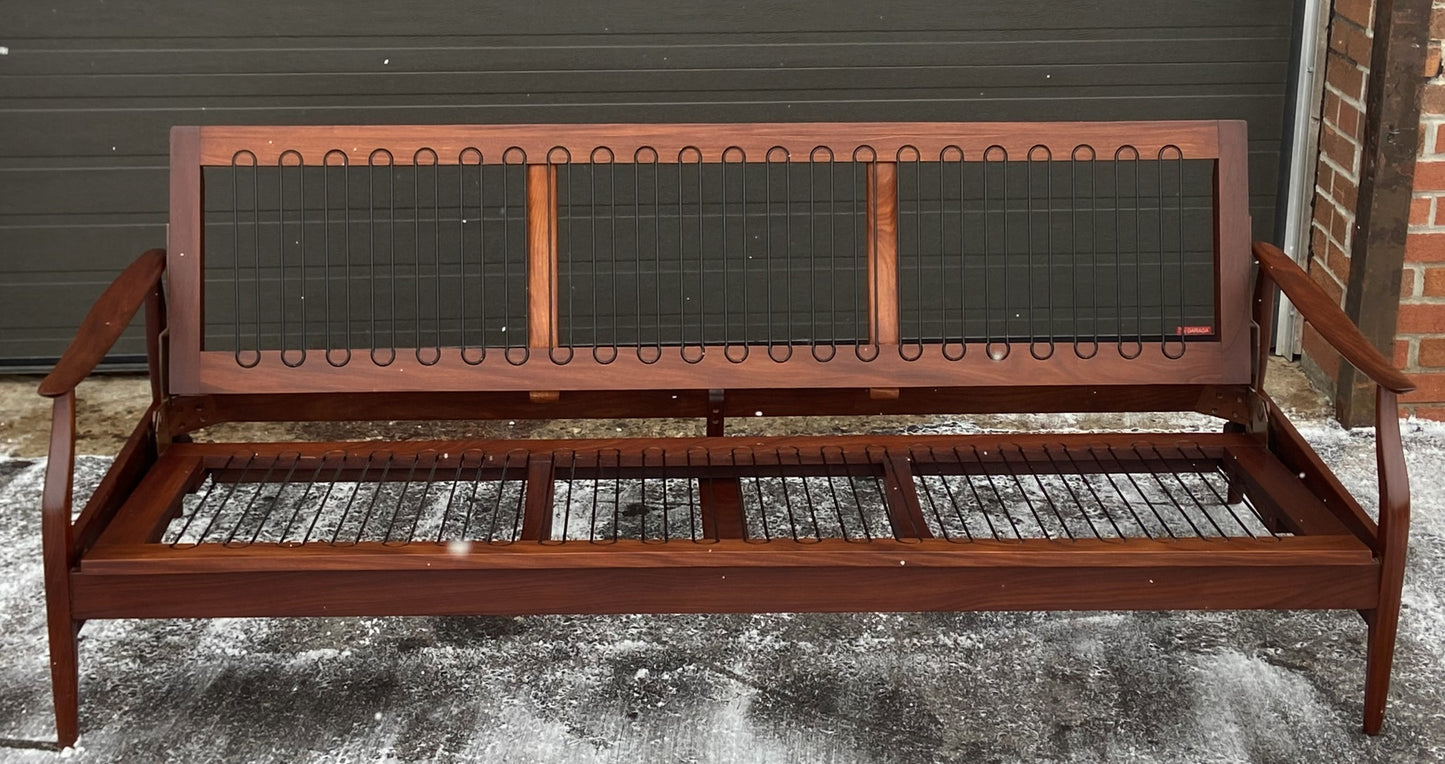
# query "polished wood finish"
(218, 145)
(721, 503)
(537, 517)
(728, 590)
(110, 562)
(734, 553)
(1204, 363)
(1291, 449)
(1394, 538)
(136, 457)
(541, 257)
(1231, 242)
(187, 414)
(102, 326)
(55, 529)
(1327, 318)
(882, 224)
(185, 259)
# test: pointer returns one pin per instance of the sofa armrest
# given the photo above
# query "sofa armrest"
(104, 323)
(1327, 318)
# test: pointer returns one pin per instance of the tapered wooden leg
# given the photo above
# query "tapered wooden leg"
(1378, 661)
(1394, 538)
(64, 672)
(55, 541)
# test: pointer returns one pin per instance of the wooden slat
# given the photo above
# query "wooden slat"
(740, 590)
(1205, 363)
(150, 505)
(1282, 495)
(904, 512)
(537, 515)
(190, 413)
(1295, 453)
(689, 451)
(541, 258)
(735, 553)
(185, 261)
(1197, 140)
(883, 253)
(1231, 247)
(130, 466)
(721, 501)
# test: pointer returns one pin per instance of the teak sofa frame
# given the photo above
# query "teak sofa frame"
(941, 534)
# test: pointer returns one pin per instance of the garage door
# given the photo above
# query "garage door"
(88, 91)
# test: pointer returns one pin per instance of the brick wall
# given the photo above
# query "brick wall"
(1421, 328)
(1420, 331)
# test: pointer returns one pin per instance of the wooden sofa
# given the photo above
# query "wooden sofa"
(712, 271)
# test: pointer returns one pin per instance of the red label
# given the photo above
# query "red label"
(1193, 330)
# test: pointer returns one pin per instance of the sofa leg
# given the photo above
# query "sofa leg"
(1378, 661)
(65, 676)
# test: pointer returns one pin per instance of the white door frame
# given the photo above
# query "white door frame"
(1304, 158)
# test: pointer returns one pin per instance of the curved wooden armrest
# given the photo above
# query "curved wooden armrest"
(104, 323)
(1328, 319)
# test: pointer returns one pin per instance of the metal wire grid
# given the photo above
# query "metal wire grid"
(965, 494)
(747, 252)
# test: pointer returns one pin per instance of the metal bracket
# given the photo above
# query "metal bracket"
(715, 413)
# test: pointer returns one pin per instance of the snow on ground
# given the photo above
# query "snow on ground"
(1062, 687)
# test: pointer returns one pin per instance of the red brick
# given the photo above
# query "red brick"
(1338, 261)
(1345, 77)
(1338, 148)
(1420, 211)
(1430, 388)
(1340, 229)
(1324, 181)
(1324, 213)
(1429, 176)
(1407, 283)
(1439, 141)
(1321, 277)
(1350, 40)
(1417, 318)
(1433, 100)
(1357, 11)
(1402, 353)
(1320, 352)
(1439, 213)
(1425, 247)
(1432, 351)
(1345, 192)
(1433, 413)
(1434, 282)
(1317, 238)
(1437, 25)
(1351, 121)
(1432, 60)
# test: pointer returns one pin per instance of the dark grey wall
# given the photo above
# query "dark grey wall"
(89, 89)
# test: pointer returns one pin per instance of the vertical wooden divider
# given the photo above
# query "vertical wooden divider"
(883, 253)
(541, 256)
(184, 260)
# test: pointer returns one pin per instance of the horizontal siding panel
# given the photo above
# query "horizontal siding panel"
(44, 92)
(550, 56)
(32, 134)
(347, 18)
(89, 91)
